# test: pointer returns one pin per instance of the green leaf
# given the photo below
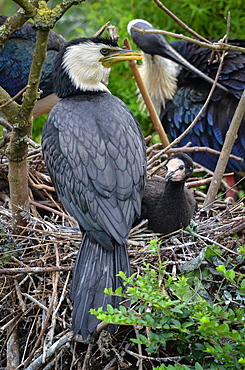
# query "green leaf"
(198, 366)
(243, 284)
(110, 309)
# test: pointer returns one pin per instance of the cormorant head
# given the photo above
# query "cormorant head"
(149, 43)
(155, 44)
(179, 167)
(84, 62)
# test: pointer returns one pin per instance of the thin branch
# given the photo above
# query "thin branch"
(102, 29)
(14, 97)
(217, 46)
(159, 359)
(5, 124)
(177, 20)
(230, 138)
(189, 149)
(15, 22)
(27, 6)
(148, 102)
(50, 352)
(178, 139)
(33, 270)
(53, 15)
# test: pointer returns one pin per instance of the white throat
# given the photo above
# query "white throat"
(84, 69)
(160, 77)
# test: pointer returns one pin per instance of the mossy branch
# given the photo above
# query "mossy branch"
(21, 115)
(16, 21)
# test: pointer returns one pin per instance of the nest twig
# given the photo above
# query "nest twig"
(36, 266)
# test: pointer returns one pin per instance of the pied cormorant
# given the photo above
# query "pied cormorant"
(179, 93)
(95, 153)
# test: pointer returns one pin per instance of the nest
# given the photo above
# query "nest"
(36, 269)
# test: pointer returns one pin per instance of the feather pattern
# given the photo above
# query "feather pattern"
(16, 58)
(191, 91)
(167, 203)
(96, 158)
(96, 269)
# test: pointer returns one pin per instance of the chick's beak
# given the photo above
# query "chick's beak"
(169, 175)
(119, 56)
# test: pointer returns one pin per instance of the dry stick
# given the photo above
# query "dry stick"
(44, 308)
(204, 149)
(12, 323)
(34, 270)
(19, 295)
(47, 208)
(36, 364)
(216, 46)
(159, 359)
(155, 119)
(102, 29)
(50, 335)
(13, 350)
(5, 124)
(14, 97)
(230, 138)
(45, 324)
(87, 356)
(182, 24)
(187, 149)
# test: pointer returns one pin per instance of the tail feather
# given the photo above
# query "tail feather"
(95, 270)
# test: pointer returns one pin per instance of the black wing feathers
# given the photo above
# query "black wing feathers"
(97, 152)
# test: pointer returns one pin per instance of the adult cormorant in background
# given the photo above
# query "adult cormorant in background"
(95, 153)
(178, 94)
(167, 203)
(15, 62)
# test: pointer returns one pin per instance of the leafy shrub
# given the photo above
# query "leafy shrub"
(206, 335)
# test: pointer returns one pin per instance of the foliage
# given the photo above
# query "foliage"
(207, 18)
(206, 334)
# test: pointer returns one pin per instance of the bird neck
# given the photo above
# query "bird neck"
(175, 186)
(160, 77)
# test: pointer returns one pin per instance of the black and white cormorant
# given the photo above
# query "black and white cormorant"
(95, 153)
(167, 203)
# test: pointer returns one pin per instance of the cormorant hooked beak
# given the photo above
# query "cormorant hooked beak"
(112, 57)
(155, 44)
(169, 175)
(176, 175)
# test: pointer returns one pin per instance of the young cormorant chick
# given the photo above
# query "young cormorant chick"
(95, 153)
(167, 203)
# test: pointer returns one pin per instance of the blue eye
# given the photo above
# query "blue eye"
(104, 51)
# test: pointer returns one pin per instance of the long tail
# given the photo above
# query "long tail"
(95, 269)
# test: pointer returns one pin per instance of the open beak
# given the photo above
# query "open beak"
(119, 56)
